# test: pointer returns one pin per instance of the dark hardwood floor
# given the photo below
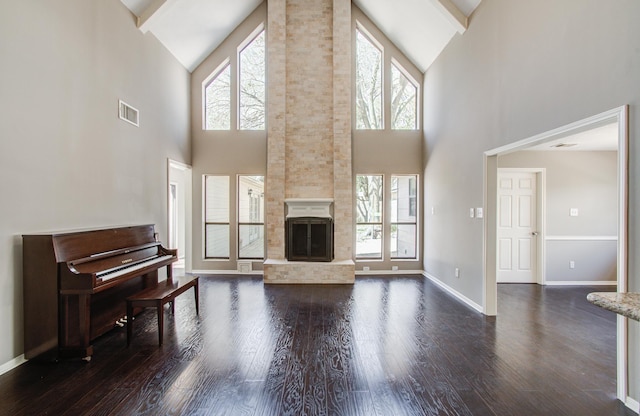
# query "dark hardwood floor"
(385, 346)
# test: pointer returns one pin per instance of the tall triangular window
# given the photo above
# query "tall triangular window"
(368, 83)
(217, 93)
(404, 100)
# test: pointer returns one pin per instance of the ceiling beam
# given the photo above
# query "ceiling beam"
(453, 14)
(156, 9)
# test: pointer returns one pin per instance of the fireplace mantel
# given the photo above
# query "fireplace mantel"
(309, 207)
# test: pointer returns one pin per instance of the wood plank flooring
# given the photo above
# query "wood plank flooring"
(384, 346)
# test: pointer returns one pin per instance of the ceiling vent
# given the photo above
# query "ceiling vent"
(128, 113)
(564, 145)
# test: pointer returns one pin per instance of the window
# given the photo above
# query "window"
(369, 216)
(368, 83)
(216, 217)
(217, 93)
(404, 99)
(386, 94)
(246, 72)
(403, 216)
(250, 217)
(252, 85)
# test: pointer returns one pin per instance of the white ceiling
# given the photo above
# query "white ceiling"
(603, 138)
(192, 29)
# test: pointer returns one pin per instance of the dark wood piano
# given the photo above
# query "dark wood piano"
(75, 284)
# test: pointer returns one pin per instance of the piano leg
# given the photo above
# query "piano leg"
(160, 310)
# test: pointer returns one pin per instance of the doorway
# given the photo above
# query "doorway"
(179, 212)
(619, 116)
(518, 226)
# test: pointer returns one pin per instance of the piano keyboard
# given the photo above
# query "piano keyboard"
(119, 271)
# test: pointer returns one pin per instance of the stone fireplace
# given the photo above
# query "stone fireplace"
(309, 230)
(309, 133)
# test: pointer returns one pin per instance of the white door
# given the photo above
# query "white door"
(517, 232)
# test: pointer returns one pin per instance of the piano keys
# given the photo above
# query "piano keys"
(75, 284)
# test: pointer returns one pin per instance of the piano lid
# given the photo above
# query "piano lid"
(76, 244)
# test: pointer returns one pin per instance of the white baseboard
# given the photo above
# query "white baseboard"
(223, 272)
(386, 272)
(454, 292)
(581, 283)
(632, 404)
(10, 365)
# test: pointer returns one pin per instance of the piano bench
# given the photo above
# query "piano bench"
(157, 297)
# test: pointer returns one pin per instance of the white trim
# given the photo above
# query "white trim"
(581, 238)
(581, 283)
(224, 272)
(453, 292)
(10, 365)
(632, 404)
(188, 215)
(386, 272)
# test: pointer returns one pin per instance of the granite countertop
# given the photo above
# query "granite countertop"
(626, 304)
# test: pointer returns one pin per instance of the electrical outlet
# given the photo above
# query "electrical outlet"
(457, 272)
(365, 268)
(472, 213)
(394, 268)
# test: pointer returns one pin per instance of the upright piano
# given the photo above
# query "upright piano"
(75, 284)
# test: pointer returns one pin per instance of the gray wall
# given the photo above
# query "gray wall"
(586, 181)
(67, 161)
(522, 68)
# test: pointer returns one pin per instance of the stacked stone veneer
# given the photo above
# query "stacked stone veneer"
(309, 129)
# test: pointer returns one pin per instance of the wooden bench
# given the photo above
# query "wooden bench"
(157, 297)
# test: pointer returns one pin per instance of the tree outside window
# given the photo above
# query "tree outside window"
(368, 84)
(252, 85)
(217, 95)
(404, 98)
(403, 216)
(250, 217)
(369, 193)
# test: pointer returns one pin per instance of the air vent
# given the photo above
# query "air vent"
(245, 266)
(564, 145)
(128, 113)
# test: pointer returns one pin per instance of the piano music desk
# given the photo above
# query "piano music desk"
(157, 297)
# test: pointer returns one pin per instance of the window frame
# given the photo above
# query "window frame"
(400, 68)
(380, 223)
(415, 223)
(206, 222)
(239, 223)
(391, 56)
(376, 44)
(241, 47)
(205, 84)
(233, 61)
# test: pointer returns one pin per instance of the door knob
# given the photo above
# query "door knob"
(535, 233)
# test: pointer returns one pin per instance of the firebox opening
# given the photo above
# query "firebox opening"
(309, 239)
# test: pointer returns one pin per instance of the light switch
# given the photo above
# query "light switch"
(573, 212)
(479, 212)
(472, 212)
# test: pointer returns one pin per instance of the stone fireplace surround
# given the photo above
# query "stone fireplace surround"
(309, 131)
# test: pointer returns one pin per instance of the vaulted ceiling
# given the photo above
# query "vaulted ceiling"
(192, 29)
